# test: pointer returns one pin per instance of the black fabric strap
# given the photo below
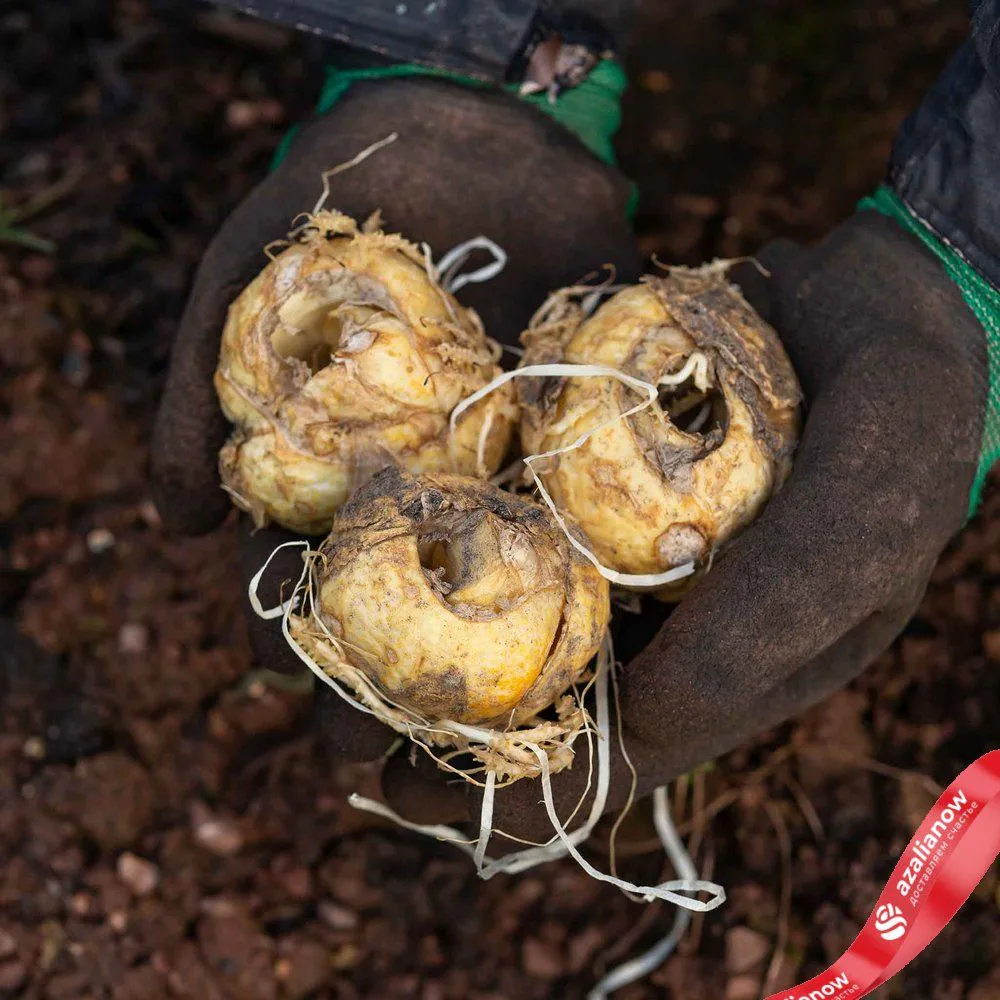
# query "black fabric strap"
(946, 160)
(481, 39)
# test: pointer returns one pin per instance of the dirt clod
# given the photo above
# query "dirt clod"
(140, 875)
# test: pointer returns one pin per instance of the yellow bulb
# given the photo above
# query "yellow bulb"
(676, 482)
(457, 600)
(345, 355)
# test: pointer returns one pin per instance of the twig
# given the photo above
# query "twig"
(785, 904)
(697, 813)
(876, 767)
(698, 921)
(629, 939)
(808, 810)
(45, 198)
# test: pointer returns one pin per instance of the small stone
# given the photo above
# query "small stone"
(8, 946)
(12, 976)
(133, 638)
(221, 837)
(584, 946)
(346, 956)
(540, 960)
(241, 114)
(309, 968)
(81, 903)
(100, 540)
(149, 514)
(111, 798)
(746, 950)
(298, 883)
(743, 988)
(337, 917)
(118, 919)
(34, 748)
(656, 81)
(219, 907)
(37, 268)
(991, 645)
(33, 166)
(140, 875)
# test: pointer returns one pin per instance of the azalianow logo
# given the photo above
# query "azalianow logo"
(890, 922)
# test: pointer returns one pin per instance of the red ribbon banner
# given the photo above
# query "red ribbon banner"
(944, 862)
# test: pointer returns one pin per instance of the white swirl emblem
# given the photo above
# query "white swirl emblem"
(890, 922)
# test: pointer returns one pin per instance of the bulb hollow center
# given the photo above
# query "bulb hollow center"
(693, 410)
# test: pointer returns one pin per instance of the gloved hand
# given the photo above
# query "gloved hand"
(466, 163)
(893, 367)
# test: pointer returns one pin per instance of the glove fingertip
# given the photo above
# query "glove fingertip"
(345, 731)
(257, 548)
(763, 278)
(419, 791)
(184, 479)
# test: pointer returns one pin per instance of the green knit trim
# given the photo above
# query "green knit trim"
(591, 110)
(984, 301)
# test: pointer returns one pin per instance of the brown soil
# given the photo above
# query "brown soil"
(166, 829)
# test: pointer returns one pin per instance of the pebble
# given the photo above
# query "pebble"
(583, 946)
(8, 946)
(100, 540)
(12, 976)
(298, 883)
(346, 956)
(540, 960)
(743, 988)
(140, 875)
(304, 969)
(337, 917)
(221, 837)
(133, 638)
(149, 514)
(656, 81)
(248, 114)
(746, 950)
(113, 798)
(34, 748)
(991, 645)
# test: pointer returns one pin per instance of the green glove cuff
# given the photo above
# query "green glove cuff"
(984, 301)
(591, 110)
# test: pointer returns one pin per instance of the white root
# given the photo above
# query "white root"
(642, 965)
(696, 363)
(347, 165)
(681, 892)
(450, 265)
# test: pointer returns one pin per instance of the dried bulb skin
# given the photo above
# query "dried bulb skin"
(458, 600)
(342, 356)
(677, 481)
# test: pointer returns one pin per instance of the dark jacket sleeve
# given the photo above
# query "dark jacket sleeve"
(487, 39)
(946, 160)
(475, 37)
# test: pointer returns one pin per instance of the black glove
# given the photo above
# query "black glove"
(893, 367)
(465, 163)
